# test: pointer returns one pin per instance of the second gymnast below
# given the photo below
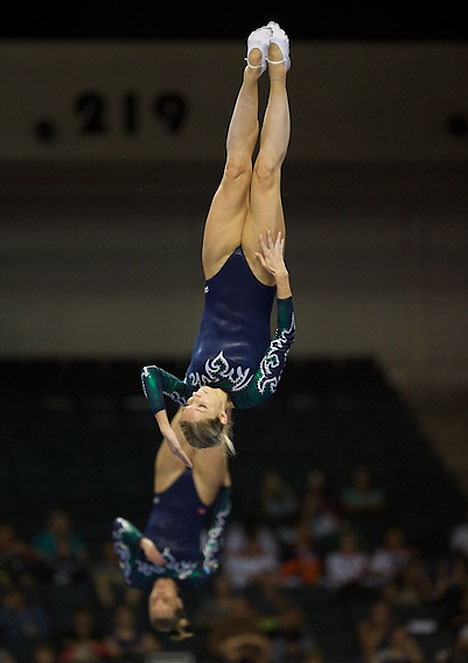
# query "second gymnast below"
(180, 543)
(235, 363)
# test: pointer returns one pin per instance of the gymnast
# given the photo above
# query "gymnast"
(183, 500)
(235, 363)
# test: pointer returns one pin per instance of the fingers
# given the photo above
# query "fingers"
(152, 554)
(262, 244)
(262, 260)
(183, 457)
(270, 245)
(158, 558)
(176, 449)
(187, 461)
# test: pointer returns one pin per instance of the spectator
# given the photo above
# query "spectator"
(18, 562)
(218, 604)
(458, 653)
(22, 621)
(301, 566)
(459, 537)
(240, 642)
(59, 531)
(402, 648)
(107, 580)
(364, 506)
(451, 578)
(278, 501)
(388, 560)
(9, 543)
(239, 634)
(292, 638)
(44, 654)
(127, 639)
(267, 596)
(314, 655)
(459, 616)
(249, 550)
(224, 606)
(83, 643)
(317, 484)
(373, 633)
(5, 656)
(67, 566)
(319, 513)
(361, 497)
(412, 586)
(346, 566)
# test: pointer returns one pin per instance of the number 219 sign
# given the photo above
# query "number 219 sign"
(94, 114)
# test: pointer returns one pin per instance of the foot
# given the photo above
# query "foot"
(256, 63)
(257, 48)
(277, 68)
(281, 40)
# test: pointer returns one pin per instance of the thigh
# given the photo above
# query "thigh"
(265, 213)
(209, 472)
(225, 222)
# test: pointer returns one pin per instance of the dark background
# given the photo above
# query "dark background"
(147, 20)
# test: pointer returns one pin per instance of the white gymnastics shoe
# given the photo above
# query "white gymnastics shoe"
(260, 39)
(281, 39)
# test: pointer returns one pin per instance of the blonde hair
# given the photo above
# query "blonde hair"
(210, 432)
(177, 627)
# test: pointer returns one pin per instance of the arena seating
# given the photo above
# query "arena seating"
(79, 435)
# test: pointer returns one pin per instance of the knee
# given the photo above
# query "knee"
(266, 170)
(238, 168)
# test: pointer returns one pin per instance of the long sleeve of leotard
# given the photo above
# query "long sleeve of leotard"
(212, 545)
(158, 383)
(137, 571)
(209, 564)
(266, 379)
(126, 539)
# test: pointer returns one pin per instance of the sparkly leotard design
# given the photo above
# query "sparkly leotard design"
(233, 350)
(175, 526)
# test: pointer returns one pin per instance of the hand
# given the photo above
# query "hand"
(272, 255)
(171, 437)
(174, 445)
(152, 554)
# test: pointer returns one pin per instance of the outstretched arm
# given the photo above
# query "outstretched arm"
(127, 539)
(267, 377)
(211, 548)
(157, 383)
(265, 381)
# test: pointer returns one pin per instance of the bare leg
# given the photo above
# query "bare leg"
(266, 209)
(228, 211)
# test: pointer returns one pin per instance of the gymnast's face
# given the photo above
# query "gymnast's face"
(206, 403)
(164, 600)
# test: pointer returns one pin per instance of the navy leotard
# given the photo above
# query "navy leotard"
(233, 350)
(175, 525)
(176, 519)
(235, 327)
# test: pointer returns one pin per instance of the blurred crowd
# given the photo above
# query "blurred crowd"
(298, 551)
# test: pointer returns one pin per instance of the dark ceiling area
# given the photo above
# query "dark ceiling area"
(155, 20)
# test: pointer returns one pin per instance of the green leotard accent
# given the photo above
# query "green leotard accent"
(158, 383)
(140, 573)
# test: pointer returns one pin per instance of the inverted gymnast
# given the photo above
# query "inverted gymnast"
(170, 552)
(235, 363)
